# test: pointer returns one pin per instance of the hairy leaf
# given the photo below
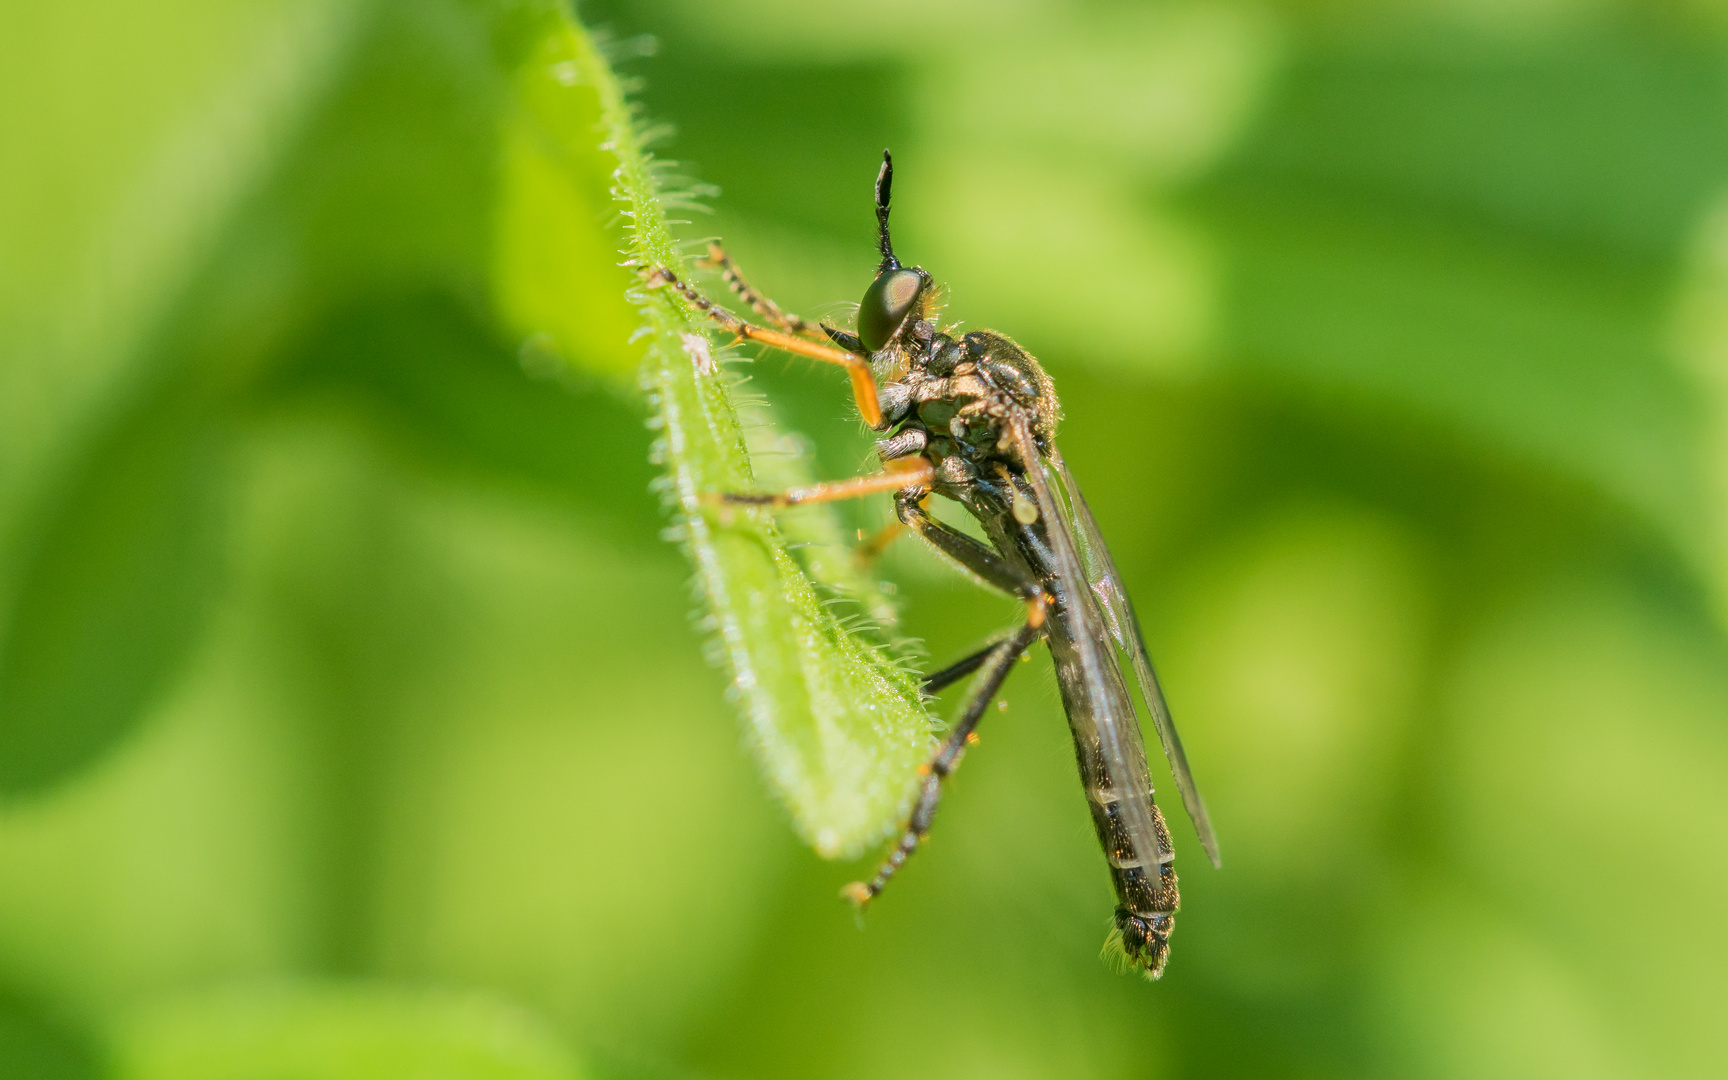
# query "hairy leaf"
(835, 717)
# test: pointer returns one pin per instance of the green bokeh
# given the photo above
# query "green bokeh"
(354, 720)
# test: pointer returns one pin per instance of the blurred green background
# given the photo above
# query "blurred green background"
(352, 722)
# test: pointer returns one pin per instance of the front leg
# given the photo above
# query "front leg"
(760, 304)
(856, 365)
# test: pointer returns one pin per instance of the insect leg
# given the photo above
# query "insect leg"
(972, 555)
(868, 550)
(936, 682)
(914, 473)
(993, 665)
(768, 309)
(993, 670)
(856, 365)
(978, 559)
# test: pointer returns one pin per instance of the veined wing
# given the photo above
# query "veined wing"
(1108, 718)
(1124, 624)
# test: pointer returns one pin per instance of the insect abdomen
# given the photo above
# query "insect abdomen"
(1145, 881)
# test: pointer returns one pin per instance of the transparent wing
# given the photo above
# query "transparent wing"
(1103, 713)
(1124, 624)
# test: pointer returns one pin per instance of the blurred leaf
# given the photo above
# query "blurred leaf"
(837, 722)
(112, 595)
(1614, 141)
(1486, 238)
(115, 565)
(1536, 354)
(842, 29)
(130, 133)
(386, 190)
(428, 370)
(521, 847)
(1586, 754)
(338, 1033)
(803, 171)
(1469, 994)
(182, 858)
(34, 1046)
(141, 132)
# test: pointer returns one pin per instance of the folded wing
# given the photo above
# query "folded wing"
(1124, 626)
(1102, 713)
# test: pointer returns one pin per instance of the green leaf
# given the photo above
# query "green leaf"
(355, 1032)
(34, 1045)
(145, 130)
(438, 383)
(1517, 348)
(554, 275)
(836, 719)
(1611, 141)
(113, 594)
(1485, 237)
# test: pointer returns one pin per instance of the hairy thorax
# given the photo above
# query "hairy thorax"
(953, 399)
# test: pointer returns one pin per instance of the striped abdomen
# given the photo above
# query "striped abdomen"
(1145, 880)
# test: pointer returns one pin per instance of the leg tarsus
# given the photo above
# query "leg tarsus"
(998, 661)
(762, 305)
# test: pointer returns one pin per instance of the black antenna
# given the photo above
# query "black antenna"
(884, 182)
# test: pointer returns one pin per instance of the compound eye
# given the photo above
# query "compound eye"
(887, 302)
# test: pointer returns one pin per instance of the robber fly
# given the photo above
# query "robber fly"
(973, 419)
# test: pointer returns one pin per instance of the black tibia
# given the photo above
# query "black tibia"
(971, 554)
(994, 665)
(936, 682)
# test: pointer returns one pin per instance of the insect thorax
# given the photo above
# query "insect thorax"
(955, 396)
